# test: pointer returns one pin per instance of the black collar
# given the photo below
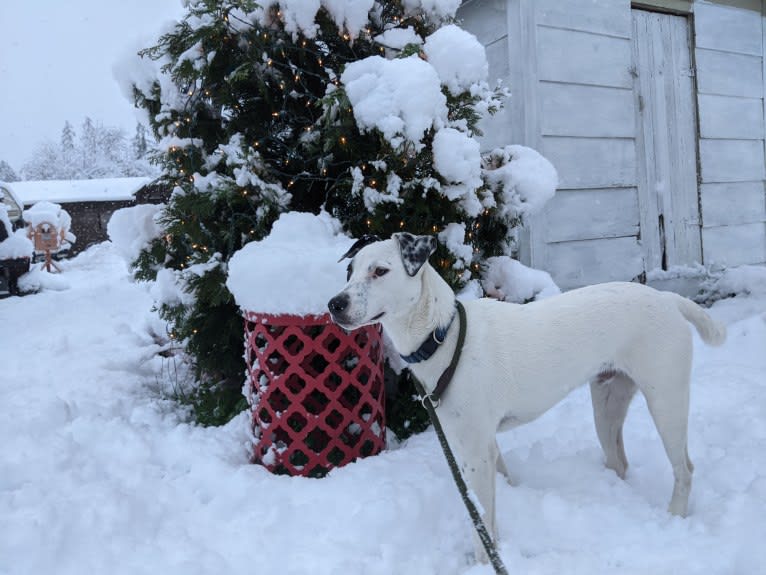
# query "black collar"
(431, 344)
(446, 377)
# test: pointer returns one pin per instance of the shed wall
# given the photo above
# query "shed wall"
(570, 69)
(730, 79)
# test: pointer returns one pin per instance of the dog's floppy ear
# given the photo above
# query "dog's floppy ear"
(415, 250)
(365, 240)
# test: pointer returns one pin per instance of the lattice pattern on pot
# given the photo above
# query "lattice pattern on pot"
(316, 392)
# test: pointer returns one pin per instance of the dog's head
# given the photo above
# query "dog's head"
(383, 279)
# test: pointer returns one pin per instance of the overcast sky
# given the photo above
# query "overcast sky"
(56, 60)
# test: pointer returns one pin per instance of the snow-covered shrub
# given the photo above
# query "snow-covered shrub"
(509, 280)
(132, 229)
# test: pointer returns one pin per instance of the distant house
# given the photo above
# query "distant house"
(90, 203)
(653, 114)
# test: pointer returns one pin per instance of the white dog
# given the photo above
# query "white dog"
(520, 360)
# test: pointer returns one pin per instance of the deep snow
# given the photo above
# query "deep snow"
(99, 473)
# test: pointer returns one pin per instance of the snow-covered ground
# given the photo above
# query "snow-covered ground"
(101, 474)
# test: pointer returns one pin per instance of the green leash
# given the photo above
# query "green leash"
(431, 402)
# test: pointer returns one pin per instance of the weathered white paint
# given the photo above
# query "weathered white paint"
(583, 57)
(667, 178)
(730, 69)
(730, 117)
(607, 17)
(735, 245)
(525, 121)
(592, 214)
(592, 162)
(731, 160)
(571, 68)
(486, 19)
(728, 29)
(733, 203)
(729, 74)
(590, 111)
(592, 261)
(497, 59)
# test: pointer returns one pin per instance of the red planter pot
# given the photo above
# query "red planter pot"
(316, 392)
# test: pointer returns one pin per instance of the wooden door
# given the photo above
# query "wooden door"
(666, 140)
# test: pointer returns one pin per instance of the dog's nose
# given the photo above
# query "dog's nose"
(338, 304)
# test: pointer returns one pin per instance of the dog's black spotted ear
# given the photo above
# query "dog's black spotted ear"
(365, 240)
(415, 250)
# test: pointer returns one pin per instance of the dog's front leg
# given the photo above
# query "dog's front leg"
(478, 465)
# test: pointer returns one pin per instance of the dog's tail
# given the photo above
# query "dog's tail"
(711, 331)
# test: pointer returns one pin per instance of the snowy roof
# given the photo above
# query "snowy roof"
(64, 191)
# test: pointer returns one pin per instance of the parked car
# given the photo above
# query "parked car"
(15, 248)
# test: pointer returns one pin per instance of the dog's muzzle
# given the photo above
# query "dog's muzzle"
(338, 306)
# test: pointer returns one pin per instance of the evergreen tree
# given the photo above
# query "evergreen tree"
(44, 164)
(7, 174)
(88, 147)
(233, 125)
(140, 145)
(67, 137)
(68, 168)
(100, 152)
(253, 118)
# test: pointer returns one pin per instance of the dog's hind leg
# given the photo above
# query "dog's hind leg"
(611, 394)
(670, 413)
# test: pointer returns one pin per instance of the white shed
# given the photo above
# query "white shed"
(652, 113)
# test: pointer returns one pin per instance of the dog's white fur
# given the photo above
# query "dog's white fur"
(520, 360)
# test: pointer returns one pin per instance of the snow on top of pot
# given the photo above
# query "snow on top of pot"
(295, 270)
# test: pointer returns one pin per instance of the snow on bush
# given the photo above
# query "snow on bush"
(299, 15)
(453, 236)
(294, 270)
(351, 15)
(439, 9)
(398, 38)
(526, 178)
(508, 280)
(16, 245)
(402, 98)
(168, 288)
(132, 73)
(457, 158)
(457, 73)
(132, 229)
(743, 280)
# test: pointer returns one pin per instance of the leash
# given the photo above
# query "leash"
(431, 402)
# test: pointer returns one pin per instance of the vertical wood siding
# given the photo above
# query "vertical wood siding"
(667, 139)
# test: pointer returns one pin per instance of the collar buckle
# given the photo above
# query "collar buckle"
(431, 344)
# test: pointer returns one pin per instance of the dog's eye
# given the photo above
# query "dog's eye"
(380, 272)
